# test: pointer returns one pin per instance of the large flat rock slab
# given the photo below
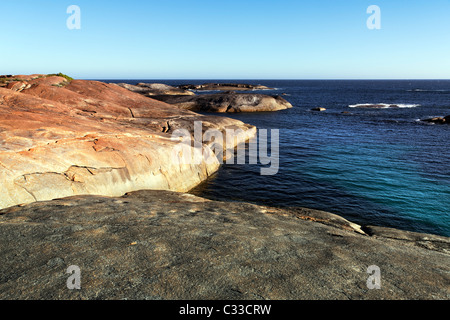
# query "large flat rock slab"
(167, 245)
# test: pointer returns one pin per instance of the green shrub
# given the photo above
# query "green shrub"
(61, 75)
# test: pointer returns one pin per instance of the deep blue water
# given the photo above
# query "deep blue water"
(372, 166)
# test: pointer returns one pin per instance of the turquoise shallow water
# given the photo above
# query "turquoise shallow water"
(381, 176)
(371, 166)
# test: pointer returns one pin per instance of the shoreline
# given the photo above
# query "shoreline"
(74, 172)
(90, 182)
(364, 226)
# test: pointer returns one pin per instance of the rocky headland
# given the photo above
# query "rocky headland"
(227, 102)
(62, 137)
(224, 87)
(155, 89)
(88, 180)
(222, 102)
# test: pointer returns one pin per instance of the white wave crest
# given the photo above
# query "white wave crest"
(427, 90)
(383, 105)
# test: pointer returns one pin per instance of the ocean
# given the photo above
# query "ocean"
(380, 167)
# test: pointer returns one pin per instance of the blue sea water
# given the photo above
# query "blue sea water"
(372, 166)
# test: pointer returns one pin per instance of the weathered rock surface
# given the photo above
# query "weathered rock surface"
(22, 77)
(153, 89)
(15, 82)
(227, 102)
(165, 245)
(59, 139)
(224, 87)
(438, 120)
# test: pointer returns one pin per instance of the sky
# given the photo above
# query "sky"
(245, 39)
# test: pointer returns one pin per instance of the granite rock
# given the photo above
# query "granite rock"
(176, 246)
(153, 89)
(60, 138)
(224, 87)
(227, 102)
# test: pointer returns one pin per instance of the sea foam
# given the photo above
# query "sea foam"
(383, 105)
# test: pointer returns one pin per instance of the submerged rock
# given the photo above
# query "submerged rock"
(166, 245)
(230, 102)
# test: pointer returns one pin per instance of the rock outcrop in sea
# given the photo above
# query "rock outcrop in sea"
(224, 87)
(154, 89)
(227, 102)
(438, 120)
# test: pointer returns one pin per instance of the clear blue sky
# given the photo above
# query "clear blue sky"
(245, 39)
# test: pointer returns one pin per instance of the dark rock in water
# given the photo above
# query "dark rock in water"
(438, 120)
(318, 109)
(227, 102)
(166, 245)
(224, 87)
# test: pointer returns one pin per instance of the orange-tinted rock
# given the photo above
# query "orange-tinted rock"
(17, 85)
(89, 137)
(28, 77)
(49, 81)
